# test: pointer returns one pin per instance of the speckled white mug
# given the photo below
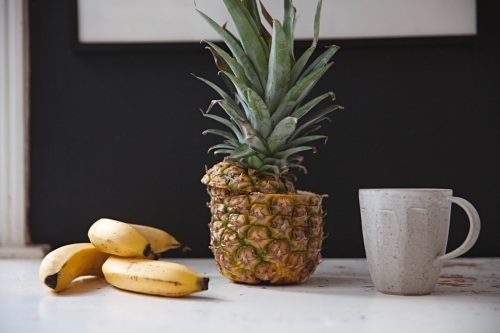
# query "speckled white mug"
(405, 232)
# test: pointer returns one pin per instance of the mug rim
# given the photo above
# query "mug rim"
(404, 189)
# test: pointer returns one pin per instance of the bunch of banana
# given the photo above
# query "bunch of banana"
(123, 253)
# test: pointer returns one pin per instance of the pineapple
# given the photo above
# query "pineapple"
(262, 228)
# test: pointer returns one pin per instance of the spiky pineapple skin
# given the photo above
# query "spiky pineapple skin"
(264, 237)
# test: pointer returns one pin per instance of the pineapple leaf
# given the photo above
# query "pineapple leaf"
(227, 123)
(285, 154)
(266, 14)
(252, 138)
(297, 93)
(298, 166)
(266, 167)
(321, 60)
(311, 121)
(222, 66)
(232, 35)
(220, 146)
(317, 19)
(270, 160)
(237, 51)
(223, 151)
(320, 114)
(288, 24)
(241, 87)
(282, 132)
(232, 66)
(259, 116)
(242, 151)
(230, 110)
(221, 92)
(296, 158)
(308, 90)
(253, 9)
(313, 129)
(252, 43)
(300, 112)
(301, 63)
(279, 68)
(301, 140)
(224, 134)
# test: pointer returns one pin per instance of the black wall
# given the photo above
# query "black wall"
(118, 134)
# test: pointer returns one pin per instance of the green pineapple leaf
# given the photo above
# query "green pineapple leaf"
(285, 154)
(223, 151)
(253, 9)
(282, 132)
(222, 66)
(237, 51)
(224, 134)
(252, 138)
(279, 68)
(252, 42)
(227, 123)
(241, 86)
(296, 94)
(289, 25)
(243, 151)
(255, 108)
(310, 122)
(302, 140)
(300, 112)
(232, 66)
(220, 146)
(230, 110)
(321, 60)
(301, 63)
(259, 114)
(221, 92)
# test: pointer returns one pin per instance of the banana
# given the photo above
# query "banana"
(66, 263)
(160, 240)
(118, 238)
(153, 277)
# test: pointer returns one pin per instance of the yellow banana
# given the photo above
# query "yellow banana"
(153, 277)
(66, 263)
(118, 238)
(160, 240)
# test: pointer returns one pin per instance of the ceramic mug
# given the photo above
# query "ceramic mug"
(405, 232)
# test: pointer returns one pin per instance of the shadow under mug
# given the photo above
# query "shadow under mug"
(405, 232)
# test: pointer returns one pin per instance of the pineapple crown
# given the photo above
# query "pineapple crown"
(267, 116)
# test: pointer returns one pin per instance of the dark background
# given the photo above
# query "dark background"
(118, 133)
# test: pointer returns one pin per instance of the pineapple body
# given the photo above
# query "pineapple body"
(263, 237)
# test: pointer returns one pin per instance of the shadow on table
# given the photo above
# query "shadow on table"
(92, 285)
(85, 285)
(325, 285)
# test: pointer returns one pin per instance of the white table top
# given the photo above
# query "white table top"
(339, 297)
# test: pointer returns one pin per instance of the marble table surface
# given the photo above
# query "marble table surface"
(339, 297)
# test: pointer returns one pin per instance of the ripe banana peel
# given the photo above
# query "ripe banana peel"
(118, 238)
(66, 263)
(153, 277)
(160, 240)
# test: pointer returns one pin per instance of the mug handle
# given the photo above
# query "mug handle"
(475, 226)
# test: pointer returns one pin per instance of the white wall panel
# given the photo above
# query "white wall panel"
(122, 21)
